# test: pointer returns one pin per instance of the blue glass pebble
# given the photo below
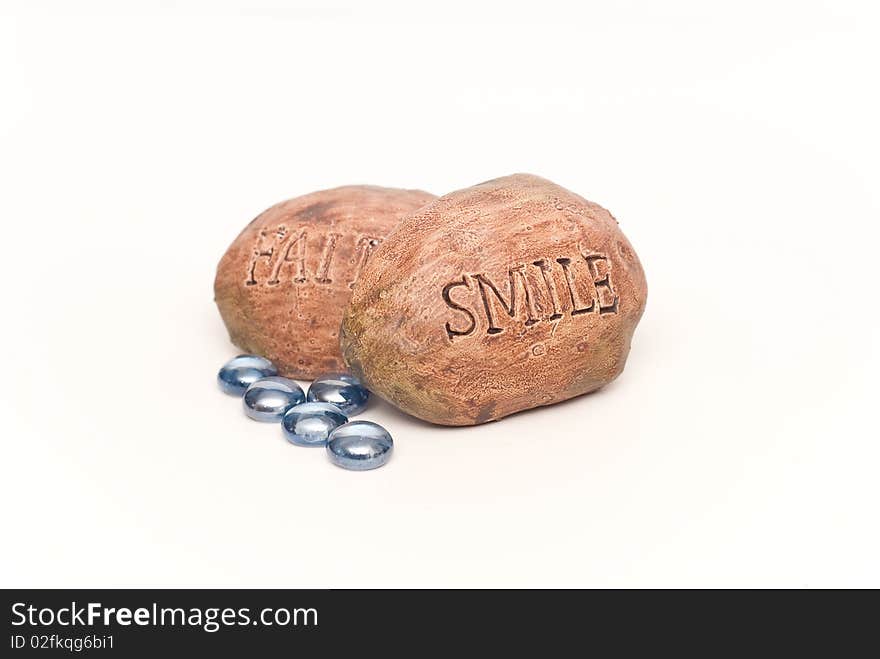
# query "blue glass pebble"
(360, 445)
(310, 424)
(239, 373)
(269, 398)
(343, 390)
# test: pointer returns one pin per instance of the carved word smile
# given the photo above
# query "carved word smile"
(533, 294)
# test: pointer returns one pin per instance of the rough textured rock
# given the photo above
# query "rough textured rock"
(281, 287)
(504, 296)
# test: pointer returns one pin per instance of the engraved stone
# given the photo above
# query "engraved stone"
(508, 295)
(282, 285)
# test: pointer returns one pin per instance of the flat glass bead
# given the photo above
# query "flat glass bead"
(360, 445)
(240, 372)
(341, 389)
(310, 424)
(269, 398)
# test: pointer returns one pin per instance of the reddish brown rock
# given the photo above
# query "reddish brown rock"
(282, 285)
(504, 296)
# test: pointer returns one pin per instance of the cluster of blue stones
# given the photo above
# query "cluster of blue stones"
(317, 418)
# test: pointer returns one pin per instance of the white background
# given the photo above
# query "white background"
(737, 144)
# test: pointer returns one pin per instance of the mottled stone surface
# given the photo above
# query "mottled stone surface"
(508, 295)
(282, 285)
